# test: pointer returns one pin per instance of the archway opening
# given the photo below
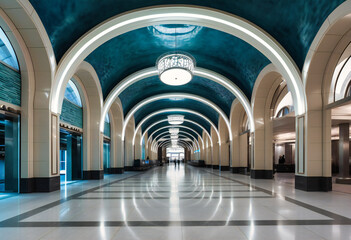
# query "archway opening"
(340, 125)
(71, 131)
(107, 145)
(10, 104)
(284, 136)
(175, 155)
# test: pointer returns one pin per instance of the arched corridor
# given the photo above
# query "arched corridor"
(252, 94)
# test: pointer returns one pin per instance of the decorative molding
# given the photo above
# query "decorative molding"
(55, 144)
(9, 109)
(70, 127)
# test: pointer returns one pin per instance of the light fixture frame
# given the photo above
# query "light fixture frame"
(173, 131)
(175, 61)
(175, 119)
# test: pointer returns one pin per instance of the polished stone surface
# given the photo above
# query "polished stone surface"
(180, 202)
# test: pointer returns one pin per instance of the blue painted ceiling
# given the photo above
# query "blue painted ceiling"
(140, 49)
(293, 23)
(182, 129)
(187, 124)
(189, 116)
(199, 86)
(184, 103)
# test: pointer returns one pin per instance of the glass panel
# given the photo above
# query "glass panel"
(72, 94)
(63, 157)
(71, 163)
(7, 54)
(106, 156)
(9, 152)
(107, 118)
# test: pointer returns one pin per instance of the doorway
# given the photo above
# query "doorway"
(107, 152)
(71, 162)
(9, 151)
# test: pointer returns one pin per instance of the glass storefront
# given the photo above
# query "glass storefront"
(71, 162)
(107, 152)
(9, 152)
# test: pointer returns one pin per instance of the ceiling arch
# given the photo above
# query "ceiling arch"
(201, 72)
(166, 142)
(179, 15)
(165, 132)
(140, 48)
(187, 116)
(183, 143)
(182, 129)
(201, 86)
(194, 127)
(182, 137)
(195, 142)
(168, 96)
(178, 110)
(66, 21)
(186, 103)
(164, 120)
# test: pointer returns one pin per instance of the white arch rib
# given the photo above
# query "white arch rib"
(164, 120)
(179, 126)
(153, 143)
(228, 23)
(175, 95)
(156, 145)
(184, 134)
(181, 135)
(201, 72)
(179, 110)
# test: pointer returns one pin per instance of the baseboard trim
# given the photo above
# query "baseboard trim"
(313, 184)
(43, 184)
(93, 174)
(261, 174)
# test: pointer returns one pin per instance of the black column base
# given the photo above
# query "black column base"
(225, 168)
(93, 174)
(261, 174)
(208, 166)
(115, 170)
(45, 184)
(128, 168)
(239, 170)
(320, 184)
(215, 166)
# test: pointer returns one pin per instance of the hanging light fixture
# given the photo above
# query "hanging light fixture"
(176, 68)
(173, 131)
(175, 119)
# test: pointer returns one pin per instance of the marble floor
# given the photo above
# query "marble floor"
(180, 202)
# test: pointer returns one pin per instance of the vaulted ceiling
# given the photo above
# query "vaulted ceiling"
(293, 23)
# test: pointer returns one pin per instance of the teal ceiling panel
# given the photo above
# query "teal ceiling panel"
(292, 23)
(139, 49)
(186, 124)
(185, 103)
(188, 116)
(198, 86)
(157, 132)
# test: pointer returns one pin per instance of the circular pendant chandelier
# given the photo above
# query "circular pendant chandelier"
(173, 131)
(175, 68)
(175, 119)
